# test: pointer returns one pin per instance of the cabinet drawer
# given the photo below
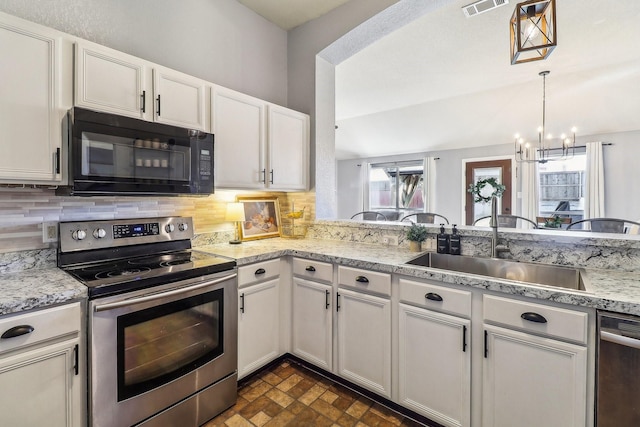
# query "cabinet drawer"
(371, 281)
(47, 324)
(436, 297)
(314, 270)
(248, 274)
(560, 322)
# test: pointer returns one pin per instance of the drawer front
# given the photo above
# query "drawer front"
(257, 272)
(552, 321)
(44, 325)
(313, 270)
(371, 281)
(435, 297)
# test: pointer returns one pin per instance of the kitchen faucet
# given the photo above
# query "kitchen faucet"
(493, 223)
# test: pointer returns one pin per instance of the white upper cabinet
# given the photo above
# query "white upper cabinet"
(179, 99)
(258, 145)
(239, 126)
(114, 82)
(110, 81)
(32, 104)
(288, 149)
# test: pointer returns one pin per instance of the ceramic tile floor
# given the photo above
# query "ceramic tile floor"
(290, 395)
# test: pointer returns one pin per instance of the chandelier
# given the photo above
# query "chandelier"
(523, 148)
(533, 30)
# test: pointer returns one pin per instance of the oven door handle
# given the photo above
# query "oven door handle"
(619, 339)
(132, 301)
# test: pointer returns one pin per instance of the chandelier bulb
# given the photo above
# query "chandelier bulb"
(539, 129)
(549, 136)
(574, 129)
(527, 145)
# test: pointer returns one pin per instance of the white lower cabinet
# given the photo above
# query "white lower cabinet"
(258, 326)
(533, 381)
(364, 340)
(312, 323)
(435, 365)
(531, 376)
(41, 381)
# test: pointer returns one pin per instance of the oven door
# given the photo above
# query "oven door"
(151, 349)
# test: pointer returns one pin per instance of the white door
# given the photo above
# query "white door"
(530, 381)
(364, 340)
(30, 132)
(111, 81)
(239, 126)
(258, 326)
(40, 388)
(435, 365)
(179, 99)
(288, 149)
(312, 304)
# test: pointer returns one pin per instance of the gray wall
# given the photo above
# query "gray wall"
(220, 41)
(621, 175)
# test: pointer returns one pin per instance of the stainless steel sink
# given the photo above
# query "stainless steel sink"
(541, 274)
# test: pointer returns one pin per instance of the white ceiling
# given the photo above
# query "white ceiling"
(288, 14)
(445, 81)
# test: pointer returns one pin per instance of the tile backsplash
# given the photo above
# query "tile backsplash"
(23, 211)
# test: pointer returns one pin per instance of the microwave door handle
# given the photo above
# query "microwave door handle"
(619, 339)
(132, 301)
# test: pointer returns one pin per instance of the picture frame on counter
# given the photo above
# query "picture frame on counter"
(261, 218)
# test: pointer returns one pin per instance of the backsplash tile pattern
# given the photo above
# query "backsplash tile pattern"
(24, 210)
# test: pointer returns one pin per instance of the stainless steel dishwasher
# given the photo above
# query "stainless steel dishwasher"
(618, 380)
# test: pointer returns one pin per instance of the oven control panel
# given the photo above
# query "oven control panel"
(121, 231)
(85, 235)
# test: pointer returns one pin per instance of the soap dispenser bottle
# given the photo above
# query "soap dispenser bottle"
(442, 241)
(454, 241)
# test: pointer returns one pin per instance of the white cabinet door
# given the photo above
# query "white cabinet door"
(111, 81)
(239, 126)
(532, 381)
(114, 82)
(258, 326)
(364, 340)
(30, 130)
(288, 149)
(435, 365)
(179, 99)
(312, 326)
(40, 388)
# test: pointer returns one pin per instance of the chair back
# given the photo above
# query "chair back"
(605, 225)
(370, 216)
(507, 221)
(425, 218)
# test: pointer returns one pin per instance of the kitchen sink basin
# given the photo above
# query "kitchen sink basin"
(540, 274)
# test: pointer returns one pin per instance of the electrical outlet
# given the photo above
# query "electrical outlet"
(390, 240)
(49, 232)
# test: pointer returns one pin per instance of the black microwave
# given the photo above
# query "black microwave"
(111, 155)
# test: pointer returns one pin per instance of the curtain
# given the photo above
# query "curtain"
(594, 197)
(529, 173)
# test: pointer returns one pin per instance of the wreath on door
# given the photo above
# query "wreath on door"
(484, 189)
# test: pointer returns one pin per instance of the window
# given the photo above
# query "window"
(396, 186)
(562, 187)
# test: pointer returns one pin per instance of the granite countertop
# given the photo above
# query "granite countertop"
(36, 288)
(610, 290)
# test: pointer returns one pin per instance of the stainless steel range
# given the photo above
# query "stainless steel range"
(162, 326)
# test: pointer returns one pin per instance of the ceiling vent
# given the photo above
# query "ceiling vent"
(482, 6)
